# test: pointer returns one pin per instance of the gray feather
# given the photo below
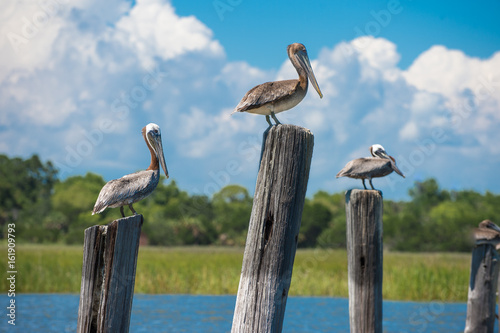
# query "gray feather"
(487, 234)
(366, 168)
(127, 190)
(269, 92)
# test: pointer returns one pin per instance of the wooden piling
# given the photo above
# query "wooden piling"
(481, 300)
(364, 259)
(108, 276)
(273, 230)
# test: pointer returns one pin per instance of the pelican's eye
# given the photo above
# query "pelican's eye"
(156, 131)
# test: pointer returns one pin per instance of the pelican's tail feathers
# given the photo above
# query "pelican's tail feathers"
(98, 208)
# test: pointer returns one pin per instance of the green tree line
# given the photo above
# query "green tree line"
(48, 210)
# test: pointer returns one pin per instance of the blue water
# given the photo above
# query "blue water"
(190, 313)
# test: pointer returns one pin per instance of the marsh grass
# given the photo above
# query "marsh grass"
(216, 271)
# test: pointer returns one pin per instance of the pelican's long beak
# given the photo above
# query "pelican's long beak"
(393, 164)
(306, 65)
(383, 154)
(158, 147)
(396, 169)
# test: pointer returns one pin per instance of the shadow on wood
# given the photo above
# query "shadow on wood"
(108, 275)
(481, 300)
(364, 210)
(273, 229)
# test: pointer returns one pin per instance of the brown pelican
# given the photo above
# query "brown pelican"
(136, 186)
(379, 165)
(272, 97)
(488, 232)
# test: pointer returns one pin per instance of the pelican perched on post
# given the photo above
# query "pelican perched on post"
(379, 165)
(136, 186)
(488, 232)
(272, 97)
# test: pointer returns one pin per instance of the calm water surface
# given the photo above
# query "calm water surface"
(190, 313)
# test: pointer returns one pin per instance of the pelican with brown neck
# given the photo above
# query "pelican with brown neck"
(136, 186)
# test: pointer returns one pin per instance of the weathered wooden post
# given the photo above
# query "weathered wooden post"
(482, 289)
(364, 259)
(273, 230)
(108, 276)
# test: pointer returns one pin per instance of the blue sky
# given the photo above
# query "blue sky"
(414, 26)
(78, 80)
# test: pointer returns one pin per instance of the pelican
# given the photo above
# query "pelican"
(272, 97)
(136, 186)
(379, 165)
(488, 232)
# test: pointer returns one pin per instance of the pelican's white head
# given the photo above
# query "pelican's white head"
(378, 151)
(152, 134)
(153, 128)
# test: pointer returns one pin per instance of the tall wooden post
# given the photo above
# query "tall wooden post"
(482, 289)
(364, 259)
(273, 229)
(108, 276)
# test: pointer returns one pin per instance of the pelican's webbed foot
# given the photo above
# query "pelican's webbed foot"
(371, 184)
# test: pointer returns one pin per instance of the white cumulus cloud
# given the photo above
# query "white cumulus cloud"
(153, 29)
